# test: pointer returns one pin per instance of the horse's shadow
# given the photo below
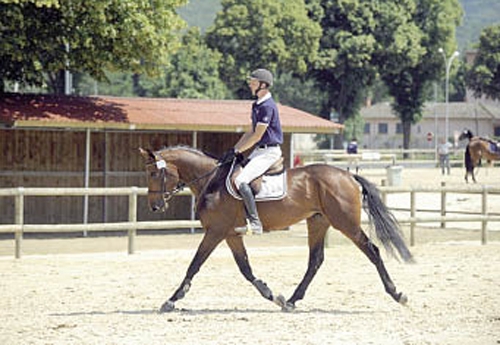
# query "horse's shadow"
(214, 311)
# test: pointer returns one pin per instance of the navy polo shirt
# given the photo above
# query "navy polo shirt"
(267, 112)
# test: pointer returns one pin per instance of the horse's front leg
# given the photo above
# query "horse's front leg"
(317, 227)
(237, 247)
(206, 247)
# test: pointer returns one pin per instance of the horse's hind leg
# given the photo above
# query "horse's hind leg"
(237, 247)
(317, 227)
(206, 247)
(372, 252)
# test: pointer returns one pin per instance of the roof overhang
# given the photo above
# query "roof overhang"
(143, 114)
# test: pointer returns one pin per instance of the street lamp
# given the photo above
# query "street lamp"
(447, 63)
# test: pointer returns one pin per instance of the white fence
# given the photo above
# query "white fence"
(483, 217)
(132, 225)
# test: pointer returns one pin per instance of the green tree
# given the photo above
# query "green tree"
(277, 35)
(300, 93)
(484, 76)
(360, 37)
(40, 38)
(193, 71)
(412, 86)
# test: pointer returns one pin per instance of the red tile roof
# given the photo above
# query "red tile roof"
(147, 113)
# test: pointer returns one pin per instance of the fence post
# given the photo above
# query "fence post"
(19, 219)
(412, 215)
(484, 212)
(384, 194)
(443, 204)
(132, 218)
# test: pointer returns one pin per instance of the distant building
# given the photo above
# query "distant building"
(383, 129)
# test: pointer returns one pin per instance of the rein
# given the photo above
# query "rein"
(167, 195)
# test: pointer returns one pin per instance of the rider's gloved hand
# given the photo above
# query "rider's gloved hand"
(228, 156)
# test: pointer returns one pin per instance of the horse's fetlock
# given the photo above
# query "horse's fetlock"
(186, 286)
(263, 289)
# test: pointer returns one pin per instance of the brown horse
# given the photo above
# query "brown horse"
(322, 194)
(478, 148)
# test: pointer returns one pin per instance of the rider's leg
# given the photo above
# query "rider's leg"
(251, 208)
(259, 162)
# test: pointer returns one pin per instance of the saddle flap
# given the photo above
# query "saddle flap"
(269, 186)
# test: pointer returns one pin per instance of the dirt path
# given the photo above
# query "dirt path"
(112, 298)
(89, 291)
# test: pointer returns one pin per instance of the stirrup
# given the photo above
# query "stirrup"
(250, 228)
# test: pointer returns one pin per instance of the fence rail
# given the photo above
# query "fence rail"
(18, 228)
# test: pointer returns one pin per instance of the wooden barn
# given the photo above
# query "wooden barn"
(61, 141)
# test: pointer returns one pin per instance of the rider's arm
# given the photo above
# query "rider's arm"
(250, 138)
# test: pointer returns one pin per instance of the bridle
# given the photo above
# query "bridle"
(162, 167)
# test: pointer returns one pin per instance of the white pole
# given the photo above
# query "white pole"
(193, 201)
(86, 180)
(447, 63)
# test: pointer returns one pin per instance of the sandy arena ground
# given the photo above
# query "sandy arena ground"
(89, 291)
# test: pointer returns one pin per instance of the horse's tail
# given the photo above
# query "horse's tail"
(469, 167)
(386, 226)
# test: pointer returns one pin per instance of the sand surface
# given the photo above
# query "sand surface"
(89, 291)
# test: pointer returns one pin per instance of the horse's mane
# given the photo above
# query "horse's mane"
(189, 149)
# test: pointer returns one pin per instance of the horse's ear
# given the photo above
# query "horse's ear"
(147, 154)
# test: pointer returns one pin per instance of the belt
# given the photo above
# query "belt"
(267, 145)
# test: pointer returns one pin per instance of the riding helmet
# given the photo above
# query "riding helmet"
(262, 75)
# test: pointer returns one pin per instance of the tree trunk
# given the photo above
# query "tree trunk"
(406, 137)
(56, 82)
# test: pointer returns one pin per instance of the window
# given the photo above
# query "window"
(496, 131)
(367, 128)
(399, 128)
(382, 128)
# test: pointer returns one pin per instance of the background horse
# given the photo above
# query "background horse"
(478, 148)
(322, 194)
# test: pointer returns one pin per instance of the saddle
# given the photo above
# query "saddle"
(269, 186)
(493, 146)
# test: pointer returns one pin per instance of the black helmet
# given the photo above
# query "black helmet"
(262, 75)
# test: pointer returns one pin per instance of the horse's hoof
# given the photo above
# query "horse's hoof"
(403, 299)
(288, 307)
(168, 306)
(285, 306)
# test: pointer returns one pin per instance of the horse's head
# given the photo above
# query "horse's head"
(163, 179)
(466, 134)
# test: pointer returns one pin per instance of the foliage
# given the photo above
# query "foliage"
(484, 76)
(360, 38)
(41, 37)
(277, 35)
(299, 93)
(193, 72)
(436, 21)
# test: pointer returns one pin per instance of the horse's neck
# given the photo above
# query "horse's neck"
(194, 171)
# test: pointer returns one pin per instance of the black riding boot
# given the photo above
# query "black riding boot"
(251, 210)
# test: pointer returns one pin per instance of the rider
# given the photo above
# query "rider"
(265, 136)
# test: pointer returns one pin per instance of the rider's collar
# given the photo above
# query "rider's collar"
(264, 98)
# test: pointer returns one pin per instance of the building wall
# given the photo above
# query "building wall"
(394, 140)
(56, 158)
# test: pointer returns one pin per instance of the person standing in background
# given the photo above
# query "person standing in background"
(443, 150)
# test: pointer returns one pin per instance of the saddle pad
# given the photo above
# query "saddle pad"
(494, 148)
(273, 187)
